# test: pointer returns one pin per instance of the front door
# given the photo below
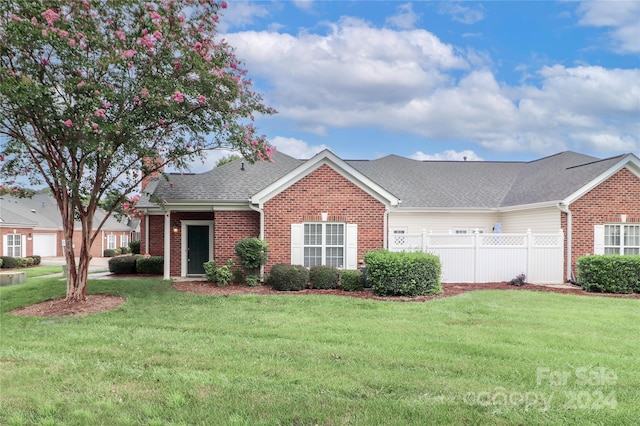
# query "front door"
(197, 248)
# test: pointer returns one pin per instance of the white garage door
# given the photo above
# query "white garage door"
(44, 244)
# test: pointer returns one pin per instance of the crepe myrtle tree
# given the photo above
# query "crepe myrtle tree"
(90, 89)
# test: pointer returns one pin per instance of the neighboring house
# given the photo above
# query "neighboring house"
(326, 210)
(33, 226)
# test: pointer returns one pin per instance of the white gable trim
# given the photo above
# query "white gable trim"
(629, 161)
(328, 158)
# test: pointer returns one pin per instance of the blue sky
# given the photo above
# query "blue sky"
(498, 80)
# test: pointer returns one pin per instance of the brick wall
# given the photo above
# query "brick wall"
(618, 195)
(229, 228)
(324, 190)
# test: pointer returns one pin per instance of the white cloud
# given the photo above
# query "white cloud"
(409, 81)
(448, 155)
(460, 13)
(303, 4)
(405, 18)
(240, 14)
(622, 17)
(296, 148)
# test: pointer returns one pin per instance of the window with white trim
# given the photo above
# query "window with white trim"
(621, 239)
(14, 245)
(111, 242)
(124, 240)
(324, 244)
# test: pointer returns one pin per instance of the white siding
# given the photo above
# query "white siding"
(439, 223)
(541, 220)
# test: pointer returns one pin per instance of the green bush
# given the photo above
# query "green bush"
(238, 276)
(403, 274)
(134, 246)
(29, 261)
(22, 262)
(351, 280)
(252, 280)
(609, 273)
(252, 252)
(221, 275)
(124, 250)
(9, 262)
(123, 265)
(118, 251)
(109, 253)
(1, 262)
(285, 277)
(324, 277)
(153, 265)
(36, 259)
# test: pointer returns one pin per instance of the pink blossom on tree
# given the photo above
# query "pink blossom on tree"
(112, 66)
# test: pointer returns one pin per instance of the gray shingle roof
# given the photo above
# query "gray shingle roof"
(419, 184)
(41, 211)
(222, 184)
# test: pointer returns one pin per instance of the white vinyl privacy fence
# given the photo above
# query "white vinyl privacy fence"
(480, 258)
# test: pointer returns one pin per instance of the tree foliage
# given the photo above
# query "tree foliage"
(89, 89)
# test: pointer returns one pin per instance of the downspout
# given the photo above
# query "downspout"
(385, 237)
(261, 211)
(565, 209)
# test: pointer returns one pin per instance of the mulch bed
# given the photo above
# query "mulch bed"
(202, 287)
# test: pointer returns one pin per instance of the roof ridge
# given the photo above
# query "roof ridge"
(596, 161)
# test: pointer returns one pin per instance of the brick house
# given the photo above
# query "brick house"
(326, 210)
(33, 226)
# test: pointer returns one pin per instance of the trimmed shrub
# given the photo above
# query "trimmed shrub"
(1, 262)
(252, 280)
(285, 277)
(134, 246)
(324, 277)
(9, 262)
(36, 259)
(109, 253)
(222, 275)
(123, 265)
(124, 250)
(153, 265)
(609, 273)
(22, 262)
(118, 251)
(403, 274)
(351, 280)
(238, 276)
(29, 261)
(252, 253)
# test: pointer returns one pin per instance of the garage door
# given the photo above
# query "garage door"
(44, 244)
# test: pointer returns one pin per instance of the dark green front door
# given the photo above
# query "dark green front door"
(197, 248)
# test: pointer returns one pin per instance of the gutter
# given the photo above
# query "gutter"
(565, 209)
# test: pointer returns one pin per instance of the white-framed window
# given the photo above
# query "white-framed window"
(124, 240)
(111, 241)
(621, 239)
(14, 245)
(324, 244)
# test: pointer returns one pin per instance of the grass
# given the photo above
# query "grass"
(165, 357)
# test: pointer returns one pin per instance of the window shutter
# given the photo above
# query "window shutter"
(5, 243)
(23, 246)
(296, 244)
(351, 261)
(598, 239)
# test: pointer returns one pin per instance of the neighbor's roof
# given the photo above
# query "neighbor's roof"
(41, 211)
(419, 184)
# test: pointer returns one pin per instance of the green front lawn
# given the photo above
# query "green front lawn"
(165, 357)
